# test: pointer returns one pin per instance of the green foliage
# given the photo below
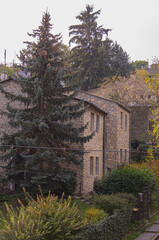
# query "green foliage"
(82, 207)
(43, 218)
(131, 199)
(43, 124)
(63, 181)
(141, 150)
(9, 71)
(127, 179)
(113, 227)
(95, 56)
(109, 203)
(139, 64)
(94, 215)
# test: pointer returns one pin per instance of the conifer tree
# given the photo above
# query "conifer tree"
(86, 55)
(44, 121)
(94, 56)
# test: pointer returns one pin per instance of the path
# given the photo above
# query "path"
(150, 233)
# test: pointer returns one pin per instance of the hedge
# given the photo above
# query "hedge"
(114, 227)
(126, 179)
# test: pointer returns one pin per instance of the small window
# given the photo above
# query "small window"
(92, 122)
(97, 165)
(91, 166)
(97, 124)
(126, 122)
(121, 119)
(125, 155)
(121, 155)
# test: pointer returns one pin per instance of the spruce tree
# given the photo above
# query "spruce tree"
(44, 121)
(94, 56)
(86, 55)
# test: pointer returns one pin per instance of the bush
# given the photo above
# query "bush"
(94, 215)
(127, 179)
(43, 218)
(131, 199)
(112, 228)
(109, 203)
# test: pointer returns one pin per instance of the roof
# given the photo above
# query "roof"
(95, 96)
(87, 93)
(92, 104)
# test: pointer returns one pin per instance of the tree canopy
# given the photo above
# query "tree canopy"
(44, 121)
(95, 56)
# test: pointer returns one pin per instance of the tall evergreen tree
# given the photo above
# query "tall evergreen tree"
(44, 121)
(94, 55)
(87, 52)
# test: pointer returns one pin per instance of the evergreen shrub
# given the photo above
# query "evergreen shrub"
(43, 218)
(113, 227)
(132, 200)
(109, 203)
(127, 179)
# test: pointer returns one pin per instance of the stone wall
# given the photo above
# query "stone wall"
(94, 148)
(140, 116)
(12, 87)
(114, 138)
(123, 134)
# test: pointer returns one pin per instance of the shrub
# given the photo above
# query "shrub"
(132, 200)
(111, 228)
(94, 215)
(151, 162)
(43, 218)
(109, 203)
(127, 179)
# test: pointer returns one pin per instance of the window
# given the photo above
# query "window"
(97, 165)
(92, 122)
(121, 119)
(91, 165)
(121, 155)
(97, 124)
(125, 155)
(126, 122)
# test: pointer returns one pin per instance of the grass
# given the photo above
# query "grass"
(82, 206)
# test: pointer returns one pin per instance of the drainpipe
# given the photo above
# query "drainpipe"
(104, 145)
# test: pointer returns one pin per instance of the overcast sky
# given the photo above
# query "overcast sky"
(134, 23)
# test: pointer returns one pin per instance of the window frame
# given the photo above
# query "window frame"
(91, 166)
(97, 166)
(121, 119)
(92, 122)
(126, 122)
(97, 123)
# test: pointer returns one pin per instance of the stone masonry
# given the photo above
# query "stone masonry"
(109, 146)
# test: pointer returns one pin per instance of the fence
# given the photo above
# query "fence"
(148, 205)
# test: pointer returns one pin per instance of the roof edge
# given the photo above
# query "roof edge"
(121, 105)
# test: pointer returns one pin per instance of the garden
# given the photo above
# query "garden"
(111, 212)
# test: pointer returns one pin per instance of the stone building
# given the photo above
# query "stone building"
(116, 130)
(110, 144)
(136, 95)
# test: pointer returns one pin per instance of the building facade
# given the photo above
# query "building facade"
(109, 147)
